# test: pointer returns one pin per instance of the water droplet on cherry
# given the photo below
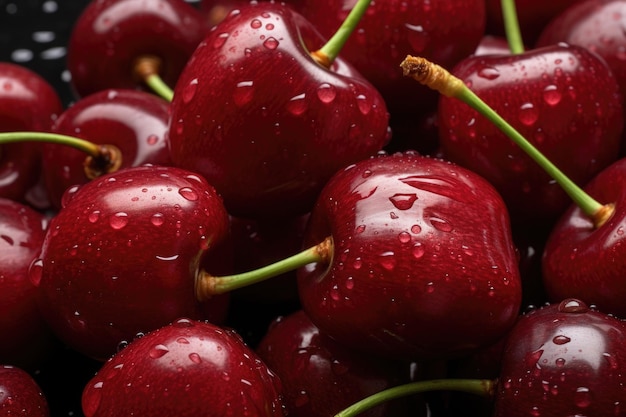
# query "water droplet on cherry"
(561, 340)
(551, 95)
(243, 93)
(572, 305)
(488, 73)
(403, 201)
(528, 114)
(271, 43)
(297, 105)
(188, 193)
(158, 351)
(326, 93)
(388, 260)
(35, 272)
(189, 92)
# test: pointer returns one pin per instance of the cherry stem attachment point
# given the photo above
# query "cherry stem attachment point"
(327, 54)
(146, 69)
(101, 158)
(208, 285)
(482, 387)
(441, 80)
(511, 26)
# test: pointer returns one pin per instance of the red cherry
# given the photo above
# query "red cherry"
(27, 102)
(121, 256)
(423, 263)
(321, 377)
(20, 394)
(270, 124)
(133, 121)
(186, 369)
(110, 36)
(25, 335)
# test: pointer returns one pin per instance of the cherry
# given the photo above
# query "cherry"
(27, 102)
(186, 368)
(133, 121)
(20, 394)
(321, 377)
(121, 255)
(132, 44)
(269, 123)
(26, 339)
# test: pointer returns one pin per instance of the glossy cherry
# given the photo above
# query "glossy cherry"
(187, 368)
(110, 36)
(121, 256)
(25, 335)
(423, 263)
(20, 395)
(27, 102)
(133, 121)
(263, 121)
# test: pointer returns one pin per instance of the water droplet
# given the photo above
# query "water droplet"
(388, 260)
(488, 73)
(572, 305)
(535, 411)
(118, 220)
(243, 93)
(551, 95)
(403, 201)
(528, 114)
(94, 216)
(195, 358)
(582, 397)
(255, 24)
(152, 139)
(92, 399)
(189, 92)
(157, 219)
(560, 362)
(158, 351)
(430, 287)
(418, 250)
(416, 228)
(359, 229)
(404, 237)
(532, 358)
(220, 40)
(297, 105)
(35, 272)
(302, 399)
(326, 93)
(441, 224)
(358, 263)
(417, 37)
(188, 193)
(363, 104)
(271, 43)
(561, 340)
(183, 322)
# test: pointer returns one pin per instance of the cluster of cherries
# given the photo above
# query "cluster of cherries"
(319, 208)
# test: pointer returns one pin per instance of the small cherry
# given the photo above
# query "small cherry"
(267, 114)
(132, 44)
(187, 368)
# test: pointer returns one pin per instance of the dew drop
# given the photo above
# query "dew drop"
(430, 287)
(118, 220)
(403, 201)
(364, 104)
(152, 140)
(297, 105)
(271, 43)
(189, 92)
(157, 219)
(528, 114)
(220, 40)
(183, 322)
(92, 399)
(188, 193)
(255, 24)
(416, 228)
(360, 229)
(195, 358)
(551, 95)
(418, 250)
(357, 264)
(301, 399)
(572, 305)
(441, 224)
(94, 216)
(326, 93)
(243, 93)
(388, 260)
(404, 237)
(561, 340)
(582, 397)
(417, 37)
(560, 362)
(158, 351)
(35, 271)
(488, 73)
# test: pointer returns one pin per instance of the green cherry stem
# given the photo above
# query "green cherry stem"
(329, 52)
(101, 158)
(208, 285)
(482, 387)
(441, 80)
(511, 27)
(146, 69)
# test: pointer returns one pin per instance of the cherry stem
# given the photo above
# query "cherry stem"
(327, 54)
(146, 69)
(511, 27)
(208, 285)
(441, 80)
(482, 387)
(101, 158)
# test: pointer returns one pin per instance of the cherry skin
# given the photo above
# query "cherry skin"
(134, 121)
(121, 255)
(564, 359)
(20, 395)
(187, 369)
(110, 35)
(27, 102)
(25, 335)
(586, 262)
(269, 124)
(423, 265)
(321, 377)
(563, 99)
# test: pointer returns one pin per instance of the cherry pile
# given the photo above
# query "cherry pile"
(312, 208)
